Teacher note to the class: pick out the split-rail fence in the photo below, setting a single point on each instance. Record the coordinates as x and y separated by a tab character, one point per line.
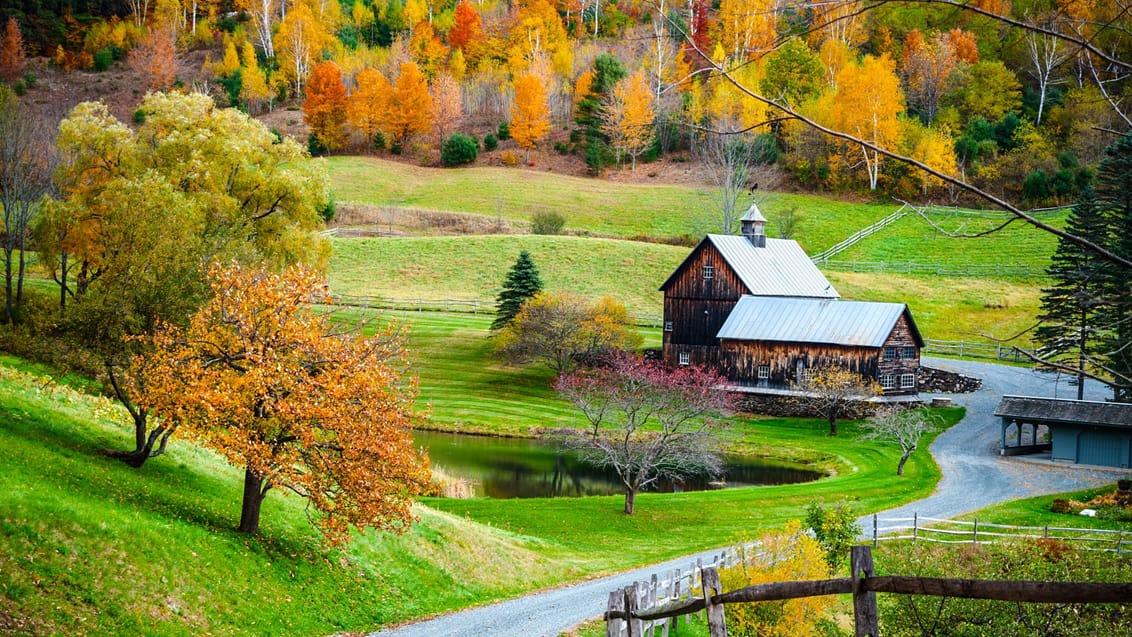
639	610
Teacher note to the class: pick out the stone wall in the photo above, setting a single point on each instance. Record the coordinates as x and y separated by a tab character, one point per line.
929	379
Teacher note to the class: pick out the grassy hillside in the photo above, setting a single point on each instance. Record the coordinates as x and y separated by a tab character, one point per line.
474	267
589	205
90	545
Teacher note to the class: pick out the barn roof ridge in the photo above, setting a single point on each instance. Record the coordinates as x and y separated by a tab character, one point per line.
781	268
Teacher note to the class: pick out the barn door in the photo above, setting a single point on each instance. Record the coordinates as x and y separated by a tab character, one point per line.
799	371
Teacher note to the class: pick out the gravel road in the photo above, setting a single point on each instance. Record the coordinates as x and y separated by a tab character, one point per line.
974	476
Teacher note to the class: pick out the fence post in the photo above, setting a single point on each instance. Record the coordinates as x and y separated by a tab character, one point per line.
975	533
632	597
864	602
613	625
876	538
717	624
915	527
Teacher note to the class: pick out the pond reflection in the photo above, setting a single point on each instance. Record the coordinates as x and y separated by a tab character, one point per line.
525	468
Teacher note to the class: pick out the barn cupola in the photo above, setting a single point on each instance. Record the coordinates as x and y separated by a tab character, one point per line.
753	226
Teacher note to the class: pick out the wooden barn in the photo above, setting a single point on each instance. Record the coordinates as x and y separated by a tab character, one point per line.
758	310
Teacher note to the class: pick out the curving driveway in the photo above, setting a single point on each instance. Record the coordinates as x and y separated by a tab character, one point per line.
974	476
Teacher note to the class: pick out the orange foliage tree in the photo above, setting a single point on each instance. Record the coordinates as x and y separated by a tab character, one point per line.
155	58
13	59
275	388
427	49
410	105
466	33
530	114
324	109
447	105
367	106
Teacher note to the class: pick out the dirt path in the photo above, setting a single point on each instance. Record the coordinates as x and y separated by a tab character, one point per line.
974	476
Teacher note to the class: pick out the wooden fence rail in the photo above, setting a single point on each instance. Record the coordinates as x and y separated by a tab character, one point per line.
965	349
626	615
969	270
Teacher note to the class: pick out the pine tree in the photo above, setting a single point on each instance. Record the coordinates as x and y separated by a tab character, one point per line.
522	283
1069	323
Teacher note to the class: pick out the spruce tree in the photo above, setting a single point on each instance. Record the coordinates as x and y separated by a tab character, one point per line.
1068	332
522	283
1114	198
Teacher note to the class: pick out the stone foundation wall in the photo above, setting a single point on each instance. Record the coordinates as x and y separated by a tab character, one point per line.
791	406
929	379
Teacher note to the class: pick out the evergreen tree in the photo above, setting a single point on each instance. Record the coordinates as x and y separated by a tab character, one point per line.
1069	325
522	283
1114	198
590	111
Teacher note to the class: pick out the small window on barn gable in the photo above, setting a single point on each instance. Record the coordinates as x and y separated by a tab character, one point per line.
709	271
685	358
668	326
909	352
764	372
907	381
888	381
889	352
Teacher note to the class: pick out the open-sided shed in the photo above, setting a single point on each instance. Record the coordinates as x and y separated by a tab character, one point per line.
1080	431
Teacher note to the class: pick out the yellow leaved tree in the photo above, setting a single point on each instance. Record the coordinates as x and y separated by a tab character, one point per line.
779	556
867	105
629	116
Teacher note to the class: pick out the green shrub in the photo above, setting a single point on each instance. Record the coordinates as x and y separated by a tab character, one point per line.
490	142
30	79
504	130
562	148
547	222
328	210
315	145
139	116
103	59
19	88
458	149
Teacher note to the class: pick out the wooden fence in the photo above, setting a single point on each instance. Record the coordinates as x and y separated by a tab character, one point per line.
867	231
467	306
972	270
925	529
634	615
965	349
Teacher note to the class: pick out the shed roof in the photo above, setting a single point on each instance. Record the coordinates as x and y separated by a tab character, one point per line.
800	320
753	214
781	268
1059	410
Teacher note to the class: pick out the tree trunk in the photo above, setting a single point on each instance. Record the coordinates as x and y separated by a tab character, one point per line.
630	501
833	425
903	459
255	488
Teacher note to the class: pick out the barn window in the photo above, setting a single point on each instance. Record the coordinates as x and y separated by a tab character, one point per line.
668	326
709	271
685	358
907	381
888	381
909	352
764	372
889	352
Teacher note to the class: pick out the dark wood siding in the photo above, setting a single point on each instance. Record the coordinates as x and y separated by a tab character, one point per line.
900	338
696	307
740	360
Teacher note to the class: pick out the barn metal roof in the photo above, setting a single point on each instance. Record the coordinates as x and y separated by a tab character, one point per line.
779	269
800	320
1055	410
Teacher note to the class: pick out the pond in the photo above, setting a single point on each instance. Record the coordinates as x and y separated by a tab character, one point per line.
478	466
